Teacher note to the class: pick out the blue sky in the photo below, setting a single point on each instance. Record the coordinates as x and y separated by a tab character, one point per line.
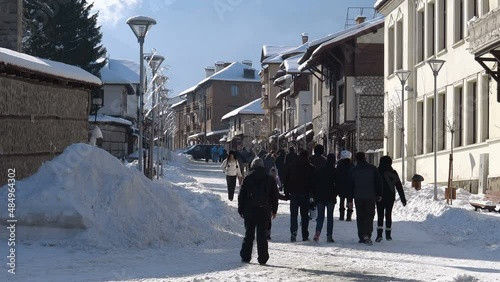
192	34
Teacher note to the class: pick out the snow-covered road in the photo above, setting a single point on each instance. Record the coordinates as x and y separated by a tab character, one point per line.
432	241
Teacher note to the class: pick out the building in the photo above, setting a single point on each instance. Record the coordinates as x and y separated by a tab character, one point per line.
343	119
227	86
43	109
246	126
449	30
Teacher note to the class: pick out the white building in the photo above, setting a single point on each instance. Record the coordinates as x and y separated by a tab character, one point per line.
415	32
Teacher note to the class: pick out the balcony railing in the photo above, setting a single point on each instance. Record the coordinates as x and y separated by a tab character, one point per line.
484	32
300	83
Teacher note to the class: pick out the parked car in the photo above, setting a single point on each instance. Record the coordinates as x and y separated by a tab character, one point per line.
198	151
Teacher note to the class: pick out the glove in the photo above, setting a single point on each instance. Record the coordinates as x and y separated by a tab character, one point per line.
403	201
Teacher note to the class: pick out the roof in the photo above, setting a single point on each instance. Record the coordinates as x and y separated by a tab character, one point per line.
379	3
346	35
278	58
233	72
109	119
31	64
291	65
283	93
178	104
252	108
217	132
118	71
269	50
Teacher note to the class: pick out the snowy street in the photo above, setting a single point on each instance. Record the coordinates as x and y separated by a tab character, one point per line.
197	234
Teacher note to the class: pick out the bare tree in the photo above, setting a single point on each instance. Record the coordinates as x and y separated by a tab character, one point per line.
450	127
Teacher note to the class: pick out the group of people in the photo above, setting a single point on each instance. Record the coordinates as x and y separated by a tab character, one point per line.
216	153
312	180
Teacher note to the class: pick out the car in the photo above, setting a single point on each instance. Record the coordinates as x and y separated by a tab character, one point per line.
198	151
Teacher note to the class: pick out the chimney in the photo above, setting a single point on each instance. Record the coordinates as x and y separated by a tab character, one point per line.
219	65
305	37
11	13
247	62
360	19
209	70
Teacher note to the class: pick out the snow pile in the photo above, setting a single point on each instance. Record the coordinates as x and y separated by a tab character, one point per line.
114	206
457	223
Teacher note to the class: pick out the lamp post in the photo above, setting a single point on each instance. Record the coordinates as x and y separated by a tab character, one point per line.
403	76
436	66
154	62
329	100
305	107
291	112
358	90
97	99
278	114
140	25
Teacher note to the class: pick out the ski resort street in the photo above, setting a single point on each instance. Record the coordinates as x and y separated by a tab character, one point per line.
189	231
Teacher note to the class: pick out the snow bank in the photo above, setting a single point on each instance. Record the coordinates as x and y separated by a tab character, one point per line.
458	223
114	206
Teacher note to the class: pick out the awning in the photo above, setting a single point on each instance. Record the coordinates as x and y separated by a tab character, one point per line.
217	132
300	128
308	134
194	136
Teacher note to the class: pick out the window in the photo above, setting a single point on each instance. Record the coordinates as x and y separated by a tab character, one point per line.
442	120
421	36
397	133
234	90
390	55
473	119
431	125
420	128
341	94
431	28
459	116
399	45
475	8
442	25
485	104
390	133
459	20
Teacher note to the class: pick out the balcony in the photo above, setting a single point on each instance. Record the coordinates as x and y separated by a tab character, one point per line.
485	33
300	83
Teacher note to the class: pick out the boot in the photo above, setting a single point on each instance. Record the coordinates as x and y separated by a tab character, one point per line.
316	236
329	239
379	234
388	234
349	215
342	212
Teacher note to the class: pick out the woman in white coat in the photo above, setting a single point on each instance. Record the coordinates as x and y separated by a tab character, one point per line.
231	168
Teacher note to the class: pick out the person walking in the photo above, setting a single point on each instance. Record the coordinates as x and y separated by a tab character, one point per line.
280	166
231	168
366	189
257	205
325	197
298	188
344	165
390	183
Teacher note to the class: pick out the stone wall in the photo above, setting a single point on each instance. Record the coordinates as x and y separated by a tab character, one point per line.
37	122
11	12
371	112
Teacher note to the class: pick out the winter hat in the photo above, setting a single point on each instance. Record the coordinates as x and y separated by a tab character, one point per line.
257	162
345	154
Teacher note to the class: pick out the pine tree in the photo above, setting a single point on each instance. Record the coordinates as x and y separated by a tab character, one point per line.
64	31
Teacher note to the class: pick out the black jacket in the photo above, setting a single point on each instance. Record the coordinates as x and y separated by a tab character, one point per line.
342	180
390	180
365	182
255	176
324	185
299	177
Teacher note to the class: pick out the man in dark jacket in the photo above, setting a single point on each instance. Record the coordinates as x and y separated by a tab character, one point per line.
366	190
318	160
257	204
298	188
325	196
344	166
391	183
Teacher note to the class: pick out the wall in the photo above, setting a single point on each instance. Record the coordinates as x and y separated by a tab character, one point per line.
38	121
115	138
11	25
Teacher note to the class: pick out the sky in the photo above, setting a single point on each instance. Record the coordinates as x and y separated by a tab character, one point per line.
86	216
192	34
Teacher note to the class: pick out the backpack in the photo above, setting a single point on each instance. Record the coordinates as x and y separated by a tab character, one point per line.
258	194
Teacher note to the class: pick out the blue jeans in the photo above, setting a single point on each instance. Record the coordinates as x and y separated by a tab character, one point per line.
321	217
299	201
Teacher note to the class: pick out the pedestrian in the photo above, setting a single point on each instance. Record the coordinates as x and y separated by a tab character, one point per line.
280	166
208	153
366	189
390	183
269	161
221	154
231	168
344	165
325	196
215	153
298	188
257	205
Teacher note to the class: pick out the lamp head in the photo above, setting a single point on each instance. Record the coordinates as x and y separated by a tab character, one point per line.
154	61
305	107
140	25
403	75
278	113
358	89
436	65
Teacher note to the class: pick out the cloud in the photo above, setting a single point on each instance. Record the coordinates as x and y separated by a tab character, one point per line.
113	11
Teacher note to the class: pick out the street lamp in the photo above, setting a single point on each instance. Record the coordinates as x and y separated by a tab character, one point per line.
305	107
97	99
278	114
403	76
154	62
358	90
140	25
436	66
329	99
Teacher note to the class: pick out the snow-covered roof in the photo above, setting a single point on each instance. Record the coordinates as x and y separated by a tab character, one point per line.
178	104
120	72
283	93
278	58
268	50
109	119
252	108
30	63
339	38
291	65
190	89
378	3
217	132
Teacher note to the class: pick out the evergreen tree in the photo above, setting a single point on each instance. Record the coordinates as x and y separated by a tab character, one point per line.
64	31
